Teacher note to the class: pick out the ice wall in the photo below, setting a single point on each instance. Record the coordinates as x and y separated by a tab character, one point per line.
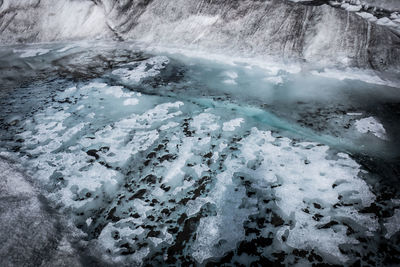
318	34
45	20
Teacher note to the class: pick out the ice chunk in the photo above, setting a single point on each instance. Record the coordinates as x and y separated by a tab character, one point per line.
32	52
205	122
232	76
392	224
354	113
371	125
275	80
147	68
232	125
131	101
367	16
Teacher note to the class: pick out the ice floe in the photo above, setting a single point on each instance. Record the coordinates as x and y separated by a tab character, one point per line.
24	53
392	224
371	125
147	68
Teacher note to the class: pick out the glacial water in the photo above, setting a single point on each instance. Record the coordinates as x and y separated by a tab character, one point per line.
161	157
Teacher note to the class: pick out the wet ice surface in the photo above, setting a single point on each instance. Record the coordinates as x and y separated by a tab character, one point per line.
167	159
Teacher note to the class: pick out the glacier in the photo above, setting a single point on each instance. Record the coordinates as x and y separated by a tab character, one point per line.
317	34
201	133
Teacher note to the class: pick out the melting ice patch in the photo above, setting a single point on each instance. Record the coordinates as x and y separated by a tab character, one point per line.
305	193
163	179
353	74
275	80
232	124
231	77
137	71
392	224
31	52
138	180
371	125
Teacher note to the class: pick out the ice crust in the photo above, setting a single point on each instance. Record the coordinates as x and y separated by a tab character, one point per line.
392	224
148	177
31	52
371	125
142	70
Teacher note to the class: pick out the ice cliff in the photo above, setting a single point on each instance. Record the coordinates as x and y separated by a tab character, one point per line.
309	31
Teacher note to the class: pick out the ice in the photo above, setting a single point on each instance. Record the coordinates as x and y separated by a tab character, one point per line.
31	52
30	233
386	21
351	8
65	48
205	122
367	16
301	178
131	102
371	125
175	169
300	175
353	74
275	80
116	91
169	125
107	241
147	68
392	224
157	168
232	76
231	125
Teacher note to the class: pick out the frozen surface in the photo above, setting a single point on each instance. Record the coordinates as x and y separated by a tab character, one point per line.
146	68
371	125
30	235
32	52
392	224
158	160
